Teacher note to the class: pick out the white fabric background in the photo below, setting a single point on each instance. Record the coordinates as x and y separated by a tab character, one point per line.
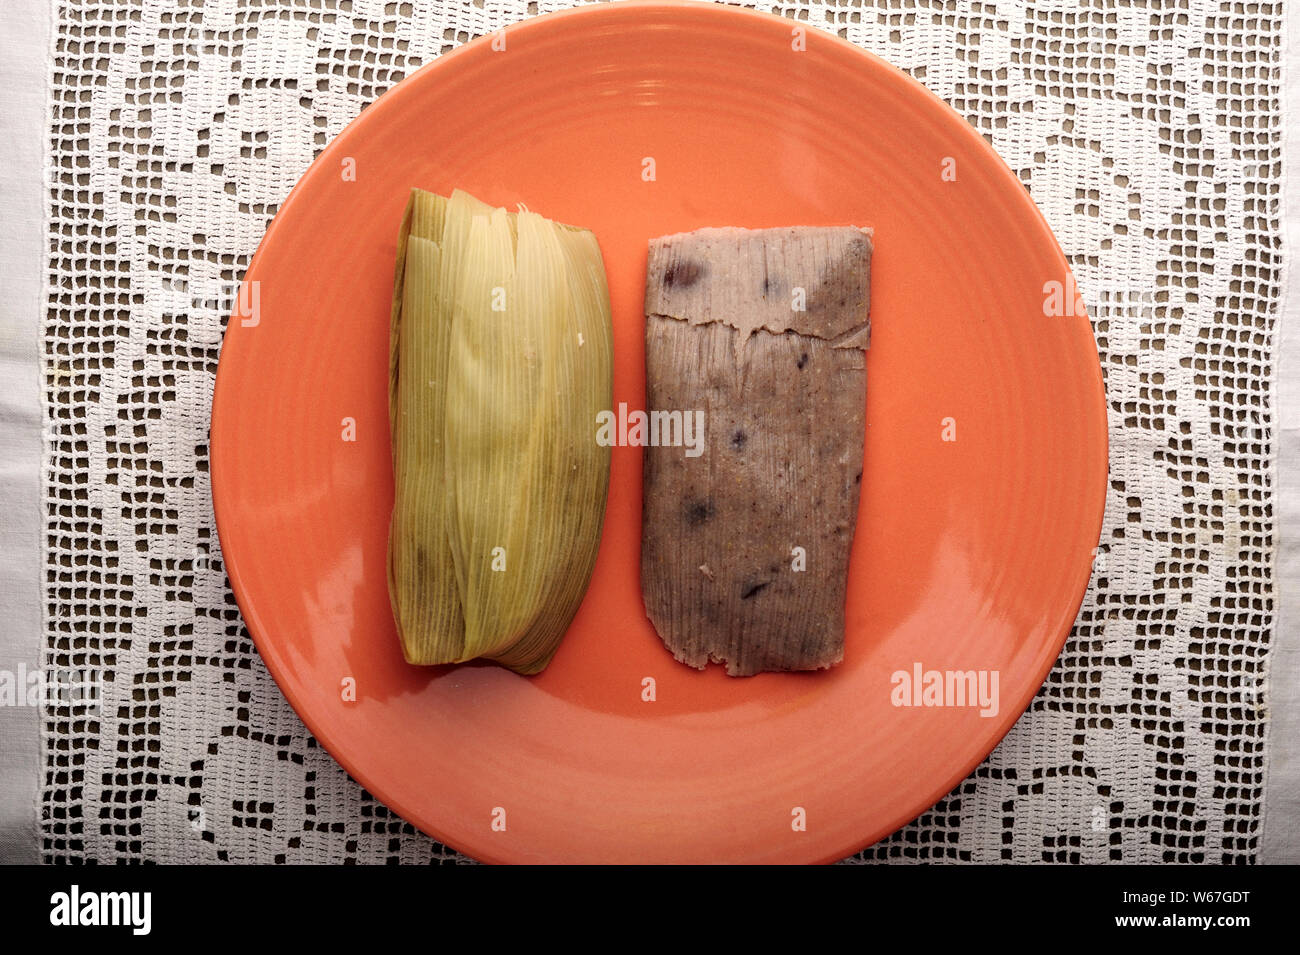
24	125
1151	139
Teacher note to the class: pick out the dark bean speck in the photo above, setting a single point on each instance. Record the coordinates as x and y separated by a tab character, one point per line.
697	512
739	440
683	274
803	360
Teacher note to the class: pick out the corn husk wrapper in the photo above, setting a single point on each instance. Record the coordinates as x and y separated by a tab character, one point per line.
501	359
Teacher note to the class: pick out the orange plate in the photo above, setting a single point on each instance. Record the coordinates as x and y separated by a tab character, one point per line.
970	554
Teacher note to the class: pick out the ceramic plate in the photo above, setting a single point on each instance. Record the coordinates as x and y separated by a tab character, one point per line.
982	494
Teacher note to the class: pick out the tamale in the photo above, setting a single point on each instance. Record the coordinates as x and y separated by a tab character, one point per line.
501	359
745	548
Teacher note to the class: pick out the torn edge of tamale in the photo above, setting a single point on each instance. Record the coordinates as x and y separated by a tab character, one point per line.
755	299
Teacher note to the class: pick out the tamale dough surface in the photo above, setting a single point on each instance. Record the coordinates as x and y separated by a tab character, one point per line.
745	548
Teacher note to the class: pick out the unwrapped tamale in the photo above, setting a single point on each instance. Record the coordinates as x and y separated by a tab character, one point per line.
745	548
501	358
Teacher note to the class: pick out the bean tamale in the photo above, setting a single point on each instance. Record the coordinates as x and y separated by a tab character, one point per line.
745	549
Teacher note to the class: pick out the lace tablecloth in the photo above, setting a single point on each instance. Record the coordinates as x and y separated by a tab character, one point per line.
1149	134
